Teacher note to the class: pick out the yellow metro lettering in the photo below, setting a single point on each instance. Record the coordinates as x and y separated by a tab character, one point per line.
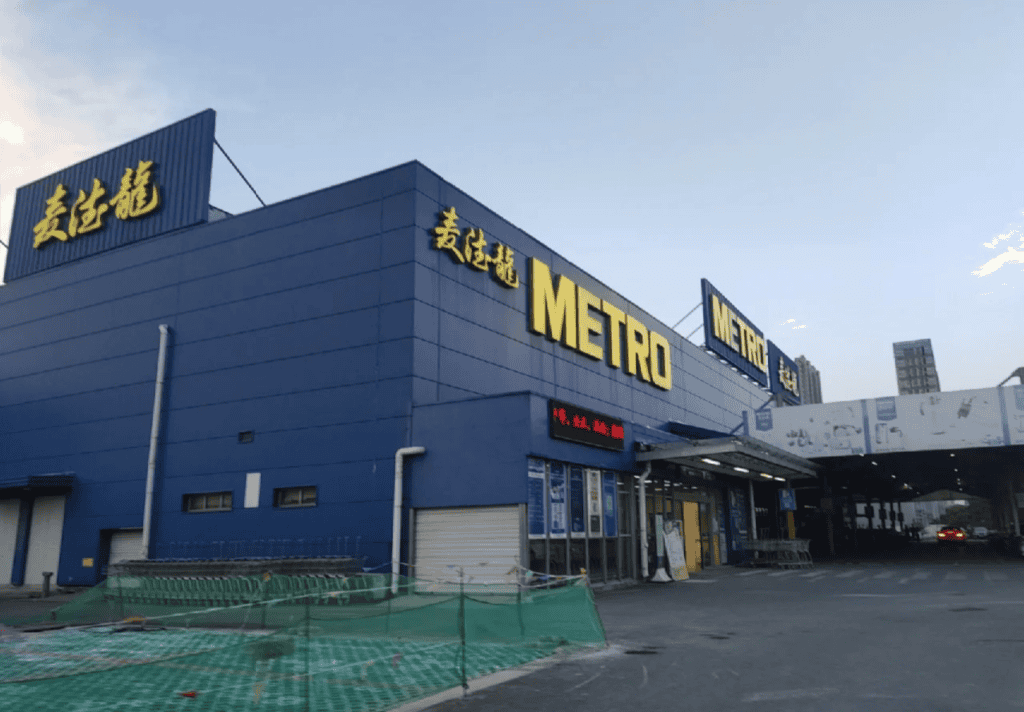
637	349
722	320
661	361
552	309
616	320
587	325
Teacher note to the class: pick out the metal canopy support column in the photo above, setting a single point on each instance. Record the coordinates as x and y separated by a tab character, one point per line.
753	511
1013	508
643	521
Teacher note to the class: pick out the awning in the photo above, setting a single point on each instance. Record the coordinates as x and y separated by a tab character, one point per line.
737	455
53	483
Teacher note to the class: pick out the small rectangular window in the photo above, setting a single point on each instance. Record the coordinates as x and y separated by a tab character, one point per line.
295	497
207	502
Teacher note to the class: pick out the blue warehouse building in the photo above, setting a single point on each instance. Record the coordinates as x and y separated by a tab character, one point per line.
384	365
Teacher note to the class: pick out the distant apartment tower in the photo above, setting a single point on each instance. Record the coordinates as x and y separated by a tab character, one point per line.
915	367
809	380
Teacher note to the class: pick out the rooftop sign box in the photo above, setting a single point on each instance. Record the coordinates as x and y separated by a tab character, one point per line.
732	336
784	375
152	185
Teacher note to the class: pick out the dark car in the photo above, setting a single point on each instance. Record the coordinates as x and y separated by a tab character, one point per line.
950	534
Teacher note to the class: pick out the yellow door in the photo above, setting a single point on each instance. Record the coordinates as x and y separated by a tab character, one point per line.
691	536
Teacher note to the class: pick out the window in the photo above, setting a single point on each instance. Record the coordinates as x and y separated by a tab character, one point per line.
207	502
295	497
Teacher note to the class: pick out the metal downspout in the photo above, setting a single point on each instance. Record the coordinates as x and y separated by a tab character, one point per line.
154	441
643	521
396	521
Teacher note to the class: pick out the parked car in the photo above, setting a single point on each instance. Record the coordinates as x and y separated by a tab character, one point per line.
951	534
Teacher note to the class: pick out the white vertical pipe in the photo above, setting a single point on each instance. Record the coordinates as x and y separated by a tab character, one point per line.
643	521
396	520
154	440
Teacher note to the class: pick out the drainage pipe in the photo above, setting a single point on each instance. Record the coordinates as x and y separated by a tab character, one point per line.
643	521
396	521
154	441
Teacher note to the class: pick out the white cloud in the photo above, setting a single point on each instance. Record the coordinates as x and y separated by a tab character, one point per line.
802	326
59	109
787	321
999	238
1009	257
11	132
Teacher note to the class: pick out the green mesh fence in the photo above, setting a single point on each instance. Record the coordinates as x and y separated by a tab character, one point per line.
281	642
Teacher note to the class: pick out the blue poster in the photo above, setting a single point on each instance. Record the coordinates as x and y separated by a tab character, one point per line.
763	419
787	500
885	408
609	492
577	500
535	504
556	493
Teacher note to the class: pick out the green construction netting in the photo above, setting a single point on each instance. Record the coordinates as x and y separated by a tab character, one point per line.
285	643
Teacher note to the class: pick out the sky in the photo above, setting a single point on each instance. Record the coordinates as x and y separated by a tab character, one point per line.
847	174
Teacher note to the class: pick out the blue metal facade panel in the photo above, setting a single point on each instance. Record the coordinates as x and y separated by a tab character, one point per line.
284	322
182	154
329	327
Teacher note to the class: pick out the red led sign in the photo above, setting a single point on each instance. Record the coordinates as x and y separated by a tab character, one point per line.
578	425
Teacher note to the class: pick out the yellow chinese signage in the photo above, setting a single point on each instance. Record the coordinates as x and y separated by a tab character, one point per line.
787	377
138	196
572	315
472	250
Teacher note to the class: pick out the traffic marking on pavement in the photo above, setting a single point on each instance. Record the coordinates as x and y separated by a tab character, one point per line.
883	575
918	576
812	574
789	694
991	576
783	573
954	577
848	574
755	571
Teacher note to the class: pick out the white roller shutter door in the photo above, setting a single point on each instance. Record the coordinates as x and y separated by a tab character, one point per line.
125	545
9	509
484	541
44	539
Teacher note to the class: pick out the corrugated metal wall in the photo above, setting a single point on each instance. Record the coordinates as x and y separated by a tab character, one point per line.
182	154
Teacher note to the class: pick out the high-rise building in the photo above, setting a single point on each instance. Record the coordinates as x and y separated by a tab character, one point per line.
915	367
809	380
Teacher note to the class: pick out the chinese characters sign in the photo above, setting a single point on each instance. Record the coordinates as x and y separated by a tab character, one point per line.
568	422
470	248
153	185
785	379
138	196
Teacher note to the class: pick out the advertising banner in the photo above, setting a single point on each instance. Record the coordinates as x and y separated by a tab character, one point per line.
577	501
787	500
557	492
982	417
674	549
610	504
535	507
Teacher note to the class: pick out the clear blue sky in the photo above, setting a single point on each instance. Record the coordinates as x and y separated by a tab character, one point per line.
848	174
